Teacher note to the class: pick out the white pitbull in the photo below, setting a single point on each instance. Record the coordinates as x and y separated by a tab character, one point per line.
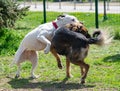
39	39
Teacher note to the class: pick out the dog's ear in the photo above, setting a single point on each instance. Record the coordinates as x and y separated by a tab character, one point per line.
60	17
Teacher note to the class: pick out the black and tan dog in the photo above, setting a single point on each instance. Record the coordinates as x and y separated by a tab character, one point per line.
75	27
75	47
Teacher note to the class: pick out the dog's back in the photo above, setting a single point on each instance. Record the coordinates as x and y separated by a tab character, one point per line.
73	44
65	39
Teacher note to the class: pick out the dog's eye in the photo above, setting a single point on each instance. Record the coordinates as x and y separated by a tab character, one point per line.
73	19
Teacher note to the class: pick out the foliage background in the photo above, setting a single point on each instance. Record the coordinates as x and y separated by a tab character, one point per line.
10	12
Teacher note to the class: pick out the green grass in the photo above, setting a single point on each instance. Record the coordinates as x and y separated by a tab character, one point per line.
104	73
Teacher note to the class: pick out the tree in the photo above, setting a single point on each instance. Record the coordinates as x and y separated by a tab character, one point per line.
10	12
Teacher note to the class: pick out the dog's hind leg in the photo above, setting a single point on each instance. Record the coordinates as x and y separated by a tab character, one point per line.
68	68
84	71
18	65
18	71
56	56
21	59
33	57
27	55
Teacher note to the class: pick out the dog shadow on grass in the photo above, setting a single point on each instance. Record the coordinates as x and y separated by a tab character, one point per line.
112	58
47	85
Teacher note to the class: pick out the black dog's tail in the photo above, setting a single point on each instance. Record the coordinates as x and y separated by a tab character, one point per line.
100	38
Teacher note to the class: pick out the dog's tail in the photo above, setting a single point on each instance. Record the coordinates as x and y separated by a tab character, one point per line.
17	55
100	38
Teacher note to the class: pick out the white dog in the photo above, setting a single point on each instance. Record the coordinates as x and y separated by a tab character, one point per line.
37	40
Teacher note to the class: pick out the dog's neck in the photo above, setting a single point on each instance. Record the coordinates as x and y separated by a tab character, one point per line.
59	23
55	24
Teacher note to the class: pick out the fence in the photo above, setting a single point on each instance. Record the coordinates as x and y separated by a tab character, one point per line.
104	6
73	6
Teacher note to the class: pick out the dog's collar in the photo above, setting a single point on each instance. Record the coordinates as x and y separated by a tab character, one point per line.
55	25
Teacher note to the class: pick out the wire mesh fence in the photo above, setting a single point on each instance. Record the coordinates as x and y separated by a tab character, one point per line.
64	6
112	6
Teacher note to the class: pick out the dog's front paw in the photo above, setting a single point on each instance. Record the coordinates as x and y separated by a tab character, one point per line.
46	51
69	75
60	66
34	77
82	81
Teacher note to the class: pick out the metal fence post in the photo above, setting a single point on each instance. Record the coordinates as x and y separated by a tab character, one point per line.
44	10
35	3
105	16
59	4
24	3
108	5
91	2
96	14
74	4
47	4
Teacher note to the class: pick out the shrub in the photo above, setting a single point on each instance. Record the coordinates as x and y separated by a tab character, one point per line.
9	41
117	34
10	12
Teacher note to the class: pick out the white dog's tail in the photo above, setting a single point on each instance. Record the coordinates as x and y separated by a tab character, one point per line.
17	55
